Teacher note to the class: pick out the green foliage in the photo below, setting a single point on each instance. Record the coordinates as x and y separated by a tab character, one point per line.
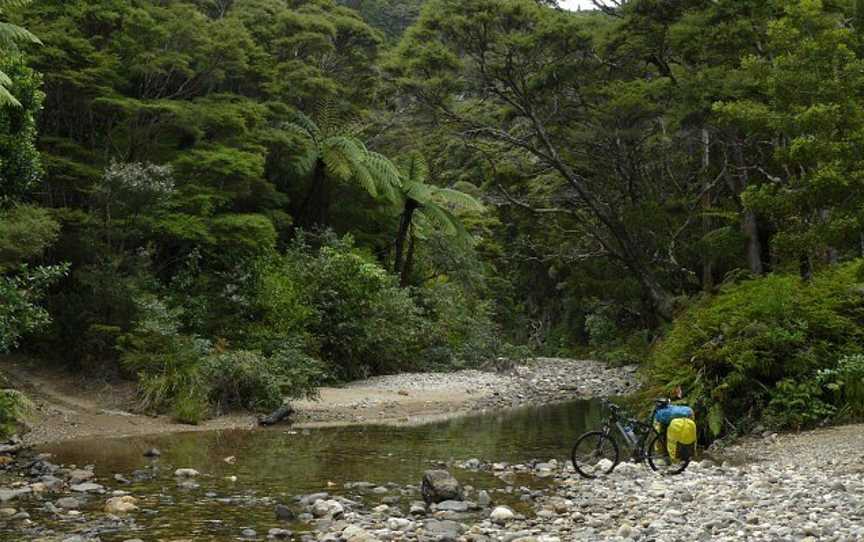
460	331
25	232
187	376
798	404
14	405
167	364
392	17
249	380
761	344
242	379
20	167
361	322
10	36
20	296
300	374
601	329
844	384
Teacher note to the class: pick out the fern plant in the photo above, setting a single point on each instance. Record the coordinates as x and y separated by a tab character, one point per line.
10	36
426	208
334	152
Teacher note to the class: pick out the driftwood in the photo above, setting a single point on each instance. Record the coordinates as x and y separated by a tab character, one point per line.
11	449
277	415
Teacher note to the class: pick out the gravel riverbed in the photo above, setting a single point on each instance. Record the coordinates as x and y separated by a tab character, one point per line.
800	488
418	397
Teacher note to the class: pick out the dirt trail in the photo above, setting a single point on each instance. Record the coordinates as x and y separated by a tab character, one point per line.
67	407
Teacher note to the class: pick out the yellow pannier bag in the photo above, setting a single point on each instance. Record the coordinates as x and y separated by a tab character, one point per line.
658	444
681	438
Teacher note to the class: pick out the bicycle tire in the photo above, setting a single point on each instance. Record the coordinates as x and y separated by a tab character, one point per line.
667	469
589	449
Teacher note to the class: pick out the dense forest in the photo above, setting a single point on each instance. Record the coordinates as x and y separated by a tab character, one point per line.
232	201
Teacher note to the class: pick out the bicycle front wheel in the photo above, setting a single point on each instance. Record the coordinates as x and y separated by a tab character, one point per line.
659	460
595	454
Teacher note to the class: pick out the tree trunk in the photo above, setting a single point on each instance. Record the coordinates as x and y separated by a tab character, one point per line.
750	223
408	268
832	256
707	260
314	211
402	235
806	267
750	228
663	301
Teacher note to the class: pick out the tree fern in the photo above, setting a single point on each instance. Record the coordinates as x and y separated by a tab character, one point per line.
10	36
427	209
331	144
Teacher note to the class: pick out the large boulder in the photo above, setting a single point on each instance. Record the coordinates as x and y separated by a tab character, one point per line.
121	505
353	533
439	486
502	515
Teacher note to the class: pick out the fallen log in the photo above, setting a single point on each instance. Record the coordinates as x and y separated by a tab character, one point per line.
277	415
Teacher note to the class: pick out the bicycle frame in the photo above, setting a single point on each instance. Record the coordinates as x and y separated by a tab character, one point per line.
640	433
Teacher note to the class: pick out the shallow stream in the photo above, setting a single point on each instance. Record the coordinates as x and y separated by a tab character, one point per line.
274	466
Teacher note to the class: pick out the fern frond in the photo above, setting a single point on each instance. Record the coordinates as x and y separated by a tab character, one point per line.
385	175
457	199
420	192
6	97
305	163
362	175
6	4
342	157
12	33
415	168
443	220
327	113
469	188
421	226
301	124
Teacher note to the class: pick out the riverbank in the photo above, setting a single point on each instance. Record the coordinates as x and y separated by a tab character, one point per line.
65	409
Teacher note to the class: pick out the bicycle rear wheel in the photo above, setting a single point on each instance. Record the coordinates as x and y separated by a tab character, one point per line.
659	460
594	454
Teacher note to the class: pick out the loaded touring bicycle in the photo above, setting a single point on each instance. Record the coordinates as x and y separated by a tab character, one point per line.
666	441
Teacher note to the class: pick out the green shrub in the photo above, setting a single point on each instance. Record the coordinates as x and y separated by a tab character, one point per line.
351	311
601	329
242	380
459	330
249	380
166	362
186	376
845	383
757	348
797	404
191	405
20	296
14	405
301	374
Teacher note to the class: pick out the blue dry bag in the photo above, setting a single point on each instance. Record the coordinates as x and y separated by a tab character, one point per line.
671	412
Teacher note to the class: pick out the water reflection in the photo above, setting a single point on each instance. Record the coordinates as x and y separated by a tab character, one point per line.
283	462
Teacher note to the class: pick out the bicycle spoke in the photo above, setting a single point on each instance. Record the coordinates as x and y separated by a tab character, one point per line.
595	455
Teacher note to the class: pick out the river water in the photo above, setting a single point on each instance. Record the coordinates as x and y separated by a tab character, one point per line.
274	466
